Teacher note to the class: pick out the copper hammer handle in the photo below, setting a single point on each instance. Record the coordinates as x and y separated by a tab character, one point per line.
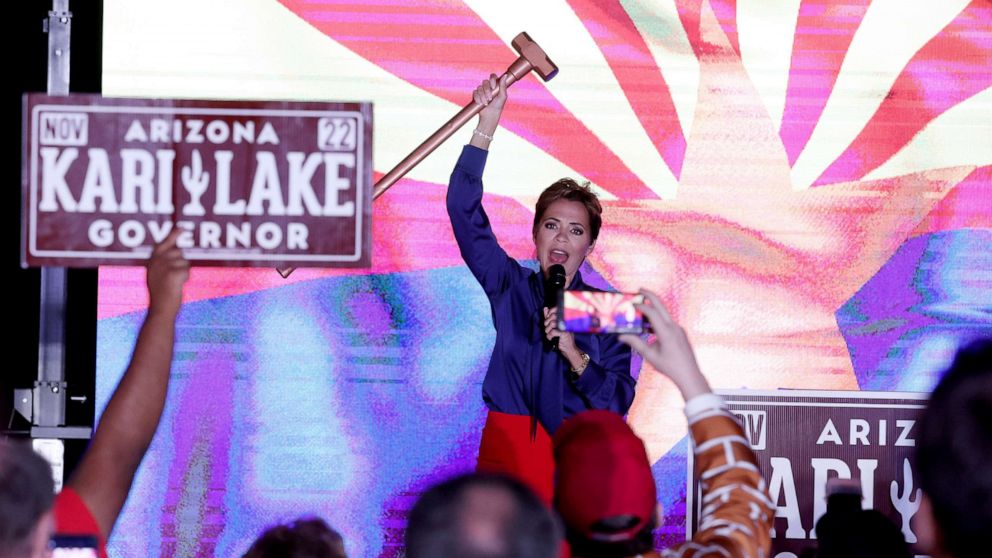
517	70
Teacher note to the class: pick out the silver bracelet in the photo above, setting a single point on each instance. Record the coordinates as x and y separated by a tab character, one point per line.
482	134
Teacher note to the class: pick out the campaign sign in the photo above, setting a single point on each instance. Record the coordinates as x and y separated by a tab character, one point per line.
803	438
250	183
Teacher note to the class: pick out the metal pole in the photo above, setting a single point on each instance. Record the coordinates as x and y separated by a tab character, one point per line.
47	411
49	390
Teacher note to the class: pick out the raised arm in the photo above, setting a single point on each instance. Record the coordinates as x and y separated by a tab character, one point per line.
490	264
107	469
492	95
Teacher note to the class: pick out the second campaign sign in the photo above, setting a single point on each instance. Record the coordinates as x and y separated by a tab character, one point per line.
804	438
250	183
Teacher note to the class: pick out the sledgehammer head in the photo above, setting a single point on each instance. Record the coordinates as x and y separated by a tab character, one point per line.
534	54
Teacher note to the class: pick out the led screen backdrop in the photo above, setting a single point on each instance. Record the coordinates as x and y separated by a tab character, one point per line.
807	183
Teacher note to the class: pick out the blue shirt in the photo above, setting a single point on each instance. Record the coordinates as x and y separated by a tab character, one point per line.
526	376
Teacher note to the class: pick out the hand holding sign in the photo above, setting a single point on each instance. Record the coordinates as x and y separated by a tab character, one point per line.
167	272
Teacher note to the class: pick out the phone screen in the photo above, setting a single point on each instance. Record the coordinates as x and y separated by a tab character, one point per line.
73	546
598	312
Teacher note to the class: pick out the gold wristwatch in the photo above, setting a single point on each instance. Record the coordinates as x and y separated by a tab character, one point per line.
582	367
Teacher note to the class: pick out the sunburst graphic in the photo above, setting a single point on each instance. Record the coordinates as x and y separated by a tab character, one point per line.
759	162
760	204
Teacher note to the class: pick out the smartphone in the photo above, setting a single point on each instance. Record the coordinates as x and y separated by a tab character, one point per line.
73	546
599	312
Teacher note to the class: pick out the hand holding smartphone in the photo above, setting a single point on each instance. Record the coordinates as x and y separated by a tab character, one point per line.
599	312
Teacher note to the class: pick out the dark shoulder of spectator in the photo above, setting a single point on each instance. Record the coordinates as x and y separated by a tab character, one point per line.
954	451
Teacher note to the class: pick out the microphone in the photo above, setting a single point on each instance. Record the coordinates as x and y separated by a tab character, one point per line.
554	283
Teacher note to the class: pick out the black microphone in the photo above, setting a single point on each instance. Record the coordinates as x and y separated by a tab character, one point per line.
554	283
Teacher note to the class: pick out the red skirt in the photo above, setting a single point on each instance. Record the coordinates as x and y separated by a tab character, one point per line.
507	448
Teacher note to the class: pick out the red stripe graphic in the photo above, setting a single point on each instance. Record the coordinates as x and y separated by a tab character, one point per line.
638	74
446	49
726	14
689	14
824	31
964	207
950	68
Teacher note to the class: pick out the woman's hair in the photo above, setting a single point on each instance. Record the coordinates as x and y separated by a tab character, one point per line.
26	493
441	522
639	543
568	189
307	537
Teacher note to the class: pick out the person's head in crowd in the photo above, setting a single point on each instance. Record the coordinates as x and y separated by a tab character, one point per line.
954	458
309	537
27	491
604	489
481	516
847	530
853	532
861	534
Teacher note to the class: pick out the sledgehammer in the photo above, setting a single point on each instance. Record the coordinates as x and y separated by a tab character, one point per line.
532	57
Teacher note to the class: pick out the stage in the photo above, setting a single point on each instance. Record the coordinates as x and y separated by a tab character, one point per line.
807	184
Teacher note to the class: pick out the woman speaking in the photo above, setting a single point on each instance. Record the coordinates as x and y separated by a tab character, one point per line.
538	376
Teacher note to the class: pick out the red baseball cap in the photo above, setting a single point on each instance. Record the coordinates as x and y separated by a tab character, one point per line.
602	471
